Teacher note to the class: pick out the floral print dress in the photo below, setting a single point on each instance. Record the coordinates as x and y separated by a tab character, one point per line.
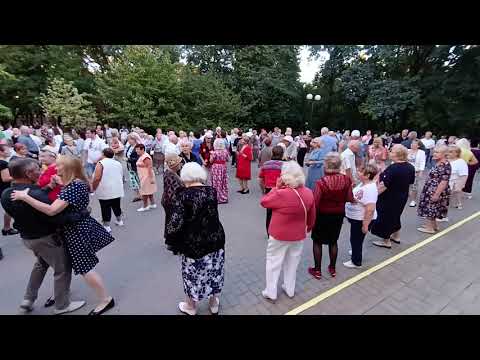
218	174
435	209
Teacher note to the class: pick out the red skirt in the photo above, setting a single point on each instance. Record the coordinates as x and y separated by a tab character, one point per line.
244	171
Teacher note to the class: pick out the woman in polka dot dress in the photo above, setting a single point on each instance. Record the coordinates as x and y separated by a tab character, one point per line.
84	238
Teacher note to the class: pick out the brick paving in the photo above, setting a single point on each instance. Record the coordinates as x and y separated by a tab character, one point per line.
145	278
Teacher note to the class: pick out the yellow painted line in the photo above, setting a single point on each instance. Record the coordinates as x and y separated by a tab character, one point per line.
370	271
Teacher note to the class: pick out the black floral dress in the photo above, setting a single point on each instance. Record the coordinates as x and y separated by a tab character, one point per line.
195	231
84	238
435	209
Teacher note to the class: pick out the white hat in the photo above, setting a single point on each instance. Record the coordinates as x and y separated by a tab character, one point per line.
249	134
288	138
356	133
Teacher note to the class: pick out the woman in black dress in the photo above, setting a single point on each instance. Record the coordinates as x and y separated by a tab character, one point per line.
198	235
393	192
83	239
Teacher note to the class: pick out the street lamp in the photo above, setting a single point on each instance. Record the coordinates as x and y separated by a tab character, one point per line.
316	98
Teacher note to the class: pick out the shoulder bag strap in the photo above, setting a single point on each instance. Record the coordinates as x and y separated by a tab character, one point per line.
304	207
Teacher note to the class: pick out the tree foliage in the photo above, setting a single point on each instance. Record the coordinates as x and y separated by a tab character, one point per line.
62	101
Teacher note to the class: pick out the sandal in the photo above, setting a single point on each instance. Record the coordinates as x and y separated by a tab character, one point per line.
425	230
395	240
381	243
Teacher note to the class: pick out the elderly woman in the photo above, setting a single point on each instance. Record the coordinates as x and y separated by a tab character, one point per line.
51	145
218	158
417	158
459	175
244	168
293	216
148	184
133	140
196	233
292	148
377	153
394	184
331	193
314	163
434	199
266	152
186	151
361	212
70	149
205	148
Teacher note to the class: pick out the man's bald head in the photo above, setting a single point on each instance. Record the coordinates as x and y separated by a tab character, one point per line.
354	145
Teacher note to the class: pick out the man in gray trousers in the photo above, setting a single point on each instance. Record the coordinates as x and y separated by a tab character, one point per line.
38	232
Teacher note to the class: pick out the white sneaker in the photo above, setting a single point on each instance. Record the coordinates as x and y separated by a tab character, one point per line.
350	264
108	228
350	252
265	295
119	222
142	209
27	305
214	308
413	204
153	206
459	207
285	291
74	305
182	306
470	197
445	219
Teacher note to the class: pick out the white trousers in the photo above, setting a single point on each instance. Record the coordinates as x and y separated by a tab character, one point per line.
286	255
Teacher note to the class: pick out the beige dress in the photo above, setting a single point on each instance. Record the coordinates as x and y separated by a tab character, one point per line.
146	187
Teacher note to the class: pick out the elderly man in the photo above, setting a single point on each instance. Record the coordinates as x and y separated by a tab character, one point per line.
349	167
92	147
28	141
412	135
429	144
171	147
399	139
38	232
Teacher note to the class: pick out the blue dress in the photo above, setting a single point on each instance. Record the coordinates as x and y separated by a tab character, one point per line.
315	171
85	238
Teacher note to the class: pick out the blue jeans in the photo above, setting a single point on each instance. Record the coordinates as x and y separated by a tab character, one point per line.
356	240
89	169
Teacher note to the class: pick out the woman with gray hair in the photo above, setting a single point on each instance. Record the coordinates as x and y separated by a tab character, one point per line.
195	232
186	151
434	199
218	159
293	216
331	193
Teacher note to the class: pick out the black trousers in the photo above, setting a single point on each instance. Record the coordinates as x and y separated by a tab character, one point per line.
269	212
356	240
234	158
301	156
107	206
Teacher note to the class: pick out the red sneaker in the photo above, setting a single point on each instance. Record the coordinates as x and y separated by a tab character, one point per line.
332	271
317	274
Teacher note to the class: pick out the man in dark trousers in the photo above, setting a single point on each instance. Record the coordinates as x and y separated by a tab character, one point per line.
38	232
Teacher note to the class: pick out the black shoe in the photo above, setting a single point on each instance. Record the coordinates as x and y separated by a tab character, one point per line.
50	302
110	305
9	232
245	192
1	254
240	191
136	199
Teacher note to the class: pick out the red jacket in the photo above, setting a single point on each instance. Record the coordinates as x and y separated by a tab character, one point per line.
288	215
270	172
44	180
331	193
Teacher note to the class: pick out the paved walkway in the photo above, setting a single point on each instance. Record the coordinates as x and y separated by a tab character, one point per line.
145	278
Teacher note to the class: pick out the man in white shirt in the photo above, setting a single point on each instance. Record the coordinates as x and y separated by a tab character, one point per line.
429	144
349	167
92	147
171	146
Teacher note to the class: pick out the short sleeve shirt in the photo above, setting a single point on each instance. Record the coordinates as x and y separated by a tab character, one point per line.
364	194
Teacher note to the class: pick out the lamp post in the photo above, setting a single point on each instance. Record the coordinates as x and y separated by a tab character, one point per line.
312	98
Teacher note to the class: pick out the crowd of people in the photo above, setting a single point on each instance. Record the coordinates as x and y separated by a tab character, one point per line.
309	184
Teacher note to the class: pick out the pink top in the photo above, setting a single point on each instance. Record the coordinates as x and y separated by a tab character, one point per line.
288	215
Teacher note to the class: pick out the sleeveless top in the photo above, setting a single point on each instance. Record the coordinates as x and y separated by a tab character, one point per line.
111	184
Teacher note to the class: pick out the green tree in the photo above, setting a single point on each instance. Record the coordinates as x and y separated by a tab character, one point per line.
62	101
207	102
141	86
